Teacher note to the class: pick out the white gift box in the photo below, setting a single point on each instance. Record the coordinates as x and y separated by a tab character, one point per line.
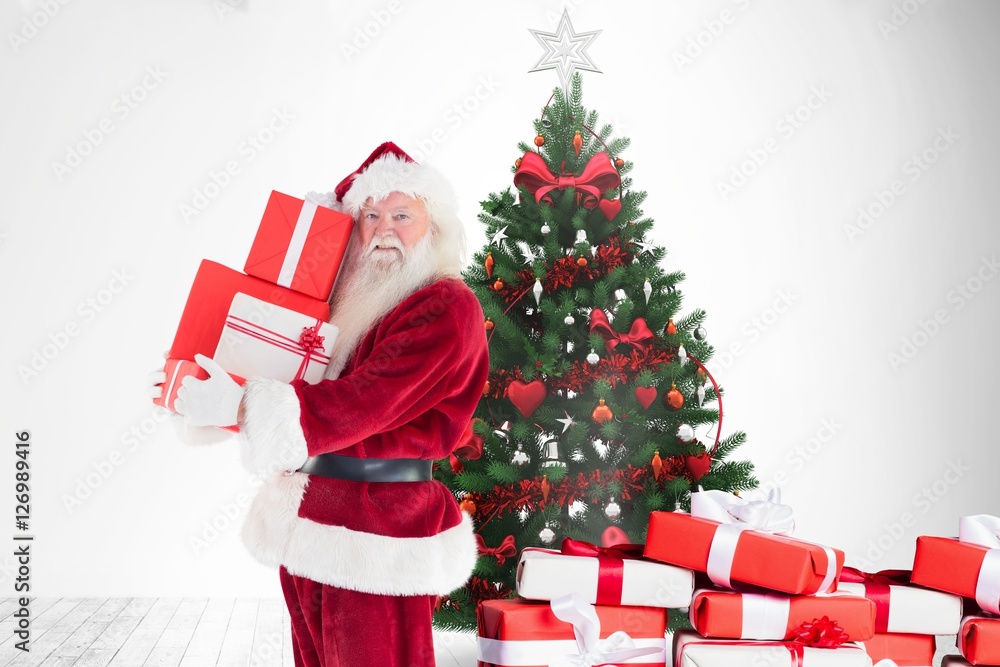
261	339
692	650
916	610
545	574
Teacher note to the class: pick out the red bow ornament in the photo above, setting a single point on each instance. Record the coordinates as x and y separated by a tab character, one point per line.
598	176
639	335
507	549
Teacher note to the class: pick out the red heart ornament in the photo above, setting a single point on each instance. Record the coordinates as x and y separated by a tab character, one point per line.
698	466
645	396
610	208
526	397
613	535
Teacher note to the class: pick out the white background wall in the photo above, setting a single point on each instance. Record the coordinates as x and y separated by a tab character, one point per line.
854	438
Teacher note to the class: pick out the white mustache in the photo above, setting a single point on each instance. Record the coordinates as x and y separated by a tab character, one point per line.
384	242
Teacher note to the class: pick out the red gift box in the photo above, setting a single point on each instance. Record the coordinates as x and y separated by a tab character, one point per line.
949	565
730	615
208	302
900	607
299	245
979	640
776	562
905	649
176	370
528	634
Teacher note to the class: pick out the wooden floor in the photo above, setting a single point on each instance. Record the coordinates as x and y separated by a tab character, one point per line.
169	632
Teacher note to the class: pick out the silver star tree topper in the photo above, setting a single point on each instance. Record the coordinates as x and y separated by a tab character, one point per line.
565	50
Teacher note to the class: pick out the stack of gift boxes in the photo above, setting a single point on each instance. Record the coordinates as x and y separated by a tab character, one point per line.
755	596
270	321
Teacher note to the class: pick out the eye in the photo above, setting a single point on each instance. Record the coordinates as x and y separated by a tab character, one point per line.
402	216
371	216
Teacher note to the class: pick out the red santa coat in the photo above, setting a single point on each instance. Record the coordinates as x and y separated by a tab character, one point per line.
408	391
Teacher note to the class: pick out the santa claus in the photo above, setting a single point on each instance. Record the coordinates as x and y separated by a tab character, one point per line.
363	538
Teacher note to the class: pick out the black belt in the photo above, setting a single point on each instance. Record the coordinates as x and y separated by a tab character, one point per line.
369	470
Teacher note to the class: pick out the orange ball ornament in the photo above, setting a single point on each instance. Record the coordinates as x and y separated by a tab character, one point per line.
468	507
488	324
602	413
581	261
517	163
498	285
671	328
673	399
539	141
619	162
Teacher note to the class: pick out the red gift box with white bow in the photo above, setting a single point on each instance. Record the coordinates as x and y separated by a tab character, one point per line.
736	541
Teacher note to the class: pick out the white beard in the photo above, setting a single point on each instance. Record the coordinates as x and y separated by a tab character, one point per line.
372	283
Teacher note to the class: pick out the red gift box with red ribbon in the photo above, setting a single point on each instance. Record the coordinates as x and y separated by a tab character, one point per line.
208	302
901	607
176	370
776	562
903	648
730	615
602	575
979	640
529	634
299	245
692	650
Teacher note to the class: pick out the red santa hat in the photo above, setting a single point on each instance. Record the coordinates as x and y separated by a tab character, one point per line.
390	169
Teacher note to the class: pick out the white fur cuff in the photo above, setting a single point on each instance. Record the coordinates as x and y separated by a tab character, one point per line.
272	438
275	534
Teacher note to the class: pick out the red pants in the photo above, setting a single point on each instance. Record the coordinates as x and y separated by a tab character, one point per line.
335	627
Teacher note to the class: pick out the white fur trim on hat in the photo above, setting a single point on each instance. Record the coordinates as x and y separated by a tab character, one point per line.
275	534
272	436
393	173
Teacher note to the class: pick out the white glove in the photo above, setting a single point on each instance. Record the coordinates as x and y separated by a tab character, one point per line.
211	402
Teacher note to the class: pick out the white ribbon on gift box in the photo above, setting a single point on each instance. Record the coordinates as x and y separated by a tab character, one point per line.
590	649
736	515
298	241
984	530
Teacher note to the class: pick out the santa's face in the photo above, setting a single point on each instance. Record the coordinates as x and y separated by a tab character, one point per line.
389	228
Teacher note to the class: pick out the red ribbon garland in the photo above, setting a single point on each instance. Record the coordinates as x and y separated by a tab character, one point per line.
507	549
877	589
610	564
598	176
639	335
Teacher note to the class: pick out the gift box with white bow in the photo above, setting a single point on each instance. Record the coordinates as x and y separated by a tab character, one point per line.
615	575
299	245
730	615
260	339
901	607
979	640
569	632
967	566
739	541
692	650
904	649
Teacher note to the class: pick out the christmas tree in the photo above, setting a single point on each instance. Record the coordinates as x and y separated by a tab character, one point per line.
597	380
